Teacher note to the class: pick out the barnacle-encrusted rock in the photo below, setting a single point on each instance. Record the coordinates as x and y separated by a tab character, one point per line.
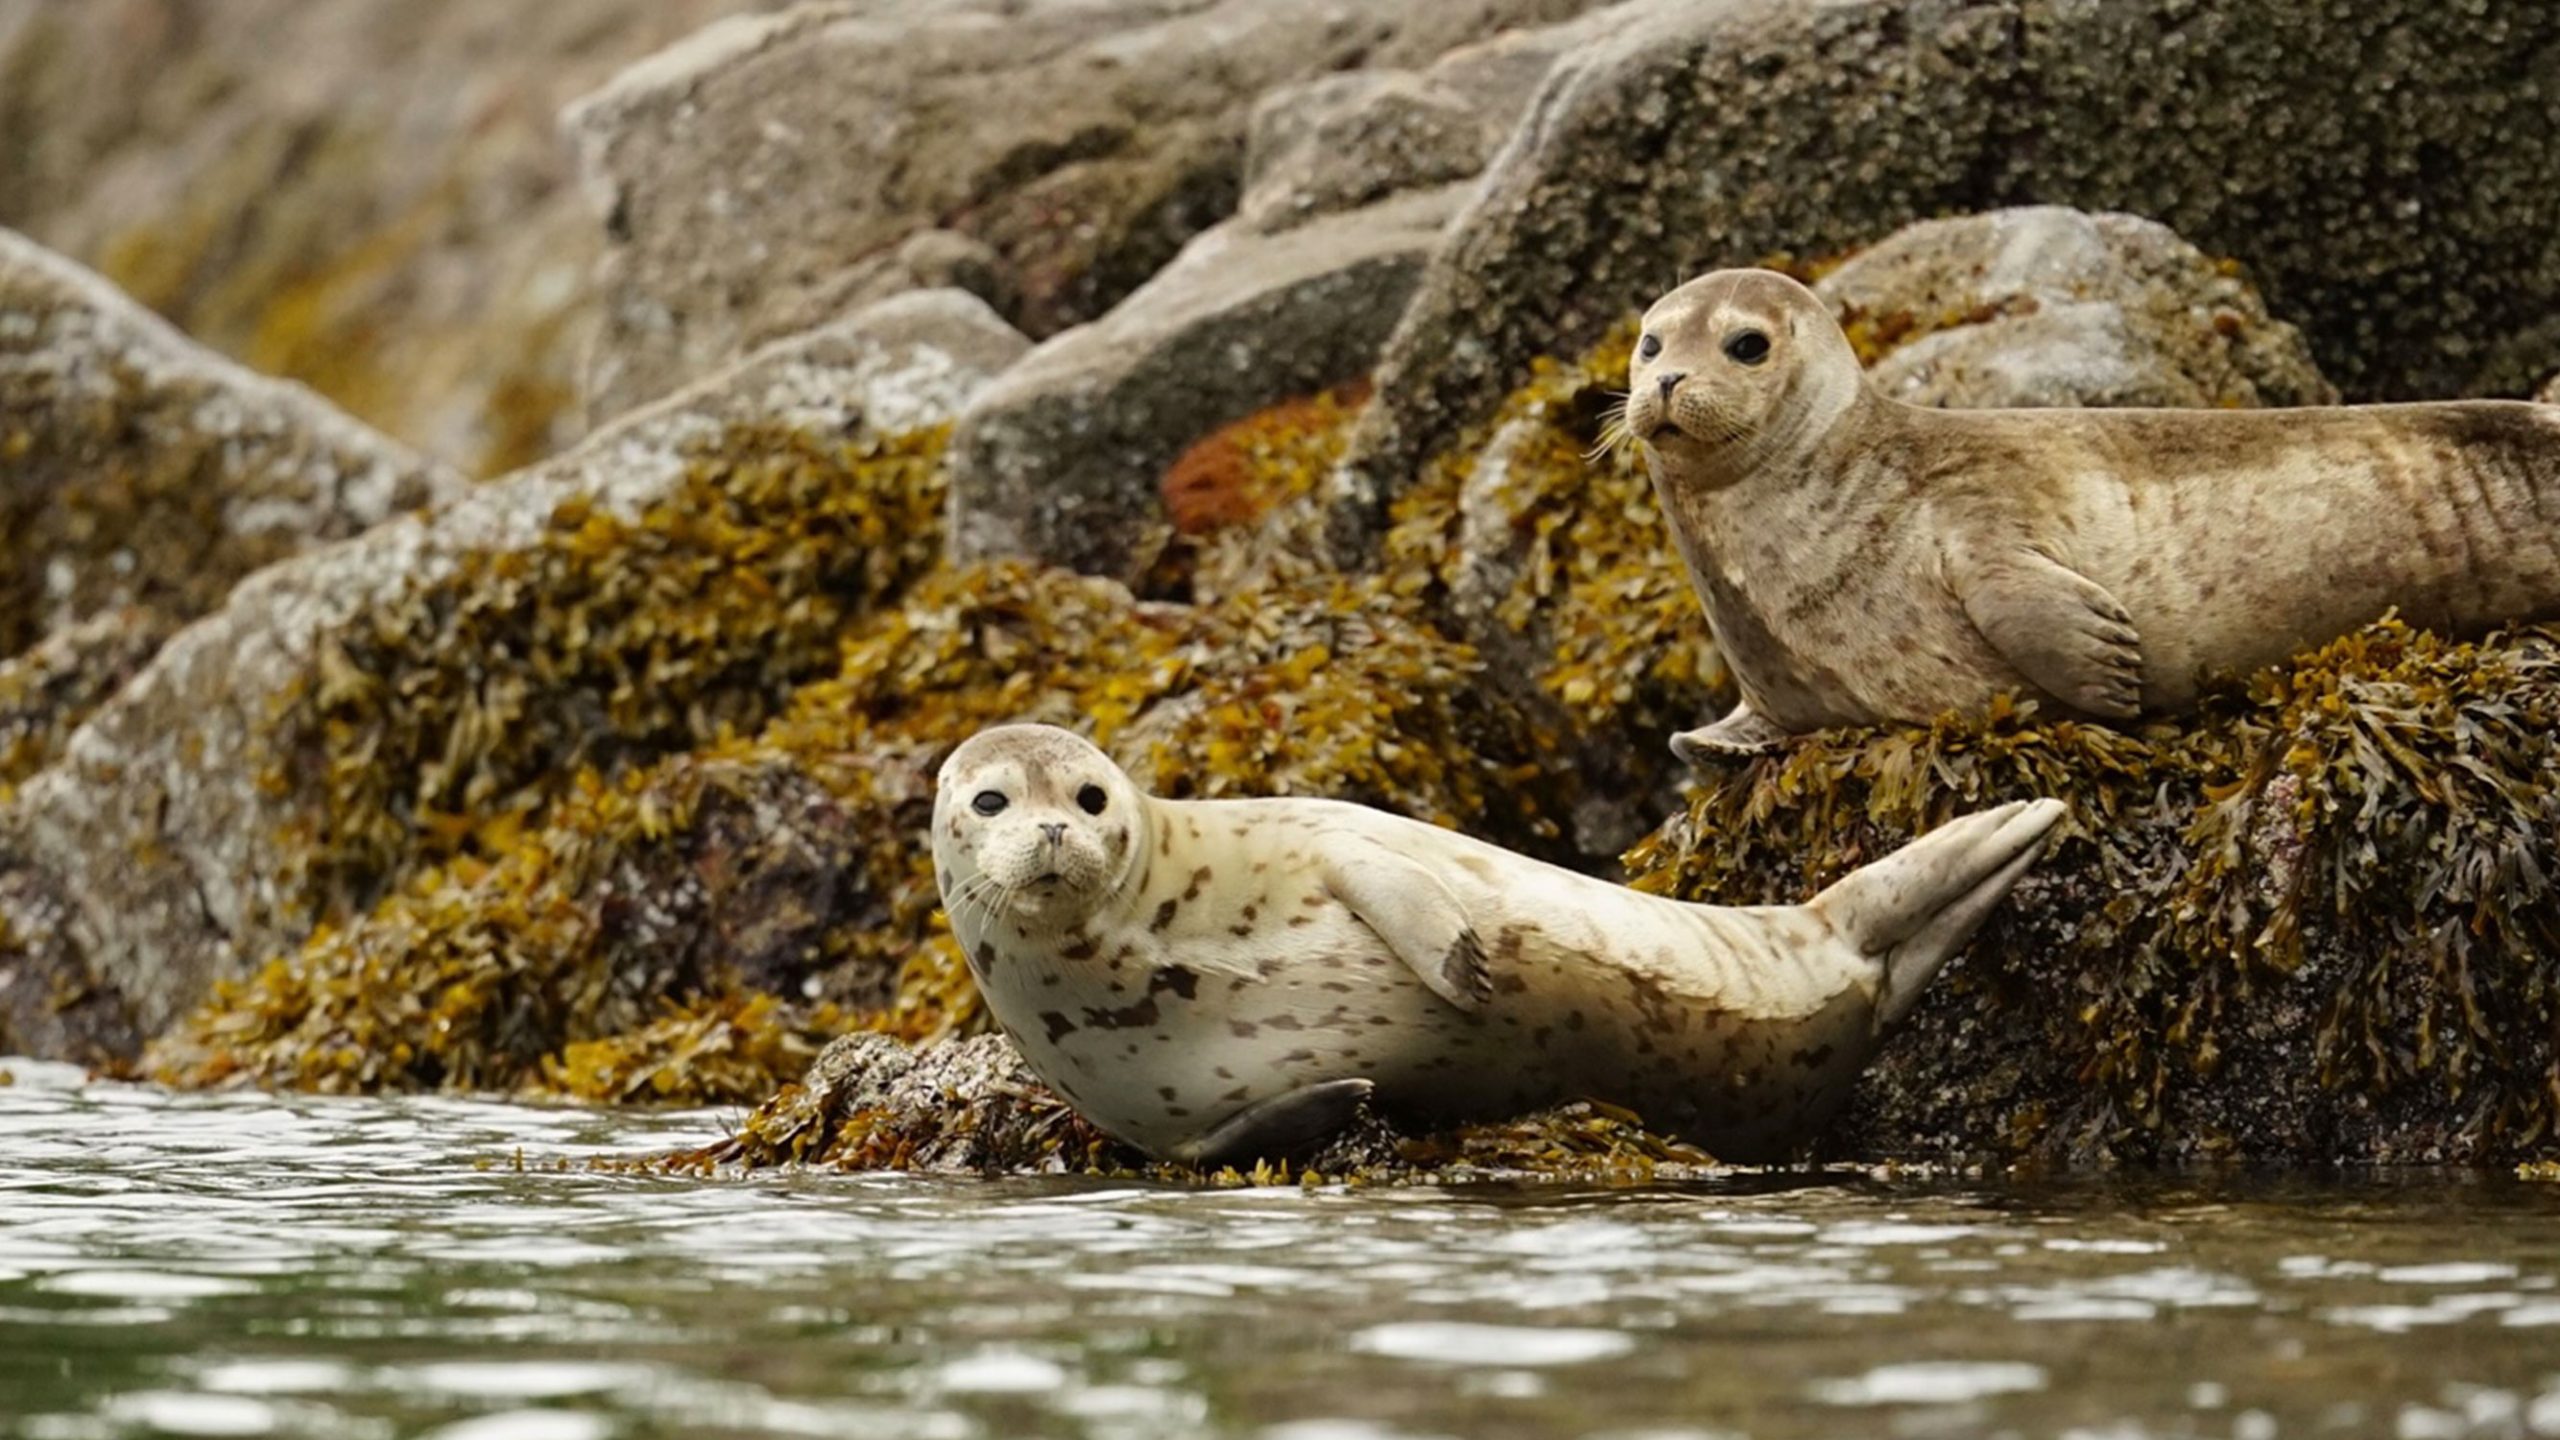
1060	459
1698	135
2050	306
2318	921
373	202
756	176
351	714
138	468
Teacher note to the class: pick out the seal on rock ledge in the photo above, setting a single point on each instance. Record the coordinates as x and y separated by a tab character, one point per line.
1215	980
1863	561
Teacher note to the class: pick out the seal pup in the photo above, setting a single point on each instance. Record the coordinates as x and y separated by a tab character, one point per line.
1212	980
1863	561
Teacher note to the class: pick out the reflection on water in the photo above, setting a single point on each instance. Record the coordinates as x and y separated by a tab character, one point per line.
256	1266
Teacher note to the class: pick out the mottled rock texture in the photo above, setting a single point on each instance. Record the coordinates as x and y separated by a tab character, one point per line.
1061	458
754	178
367	197
2049	306
2383	170
138	468
195	827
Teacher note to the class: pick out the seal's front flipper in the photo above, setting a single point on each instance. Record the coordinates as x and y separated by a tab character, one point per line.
1277	1126
2061	629
1413	910
1744	731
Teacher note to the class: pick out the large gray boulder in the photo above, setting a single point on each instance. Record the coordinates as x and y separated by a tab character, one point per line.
370	199
139	468
2383	170
188	837
1061	459
755	178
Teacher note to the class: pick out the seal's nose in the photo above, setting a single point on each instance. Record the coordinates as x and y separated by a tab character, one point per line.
1672	381
1056	830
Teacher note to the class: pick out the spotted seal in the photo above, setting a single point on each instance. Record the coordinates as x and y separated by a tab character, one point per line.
1864	561
1217	979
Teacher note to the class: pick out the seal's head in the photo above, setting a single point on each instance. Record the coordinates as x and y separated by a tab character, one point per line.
1034	826
1734	368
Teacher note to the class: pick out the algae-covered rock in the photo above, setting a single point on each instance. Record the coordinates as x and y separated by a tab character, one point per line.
369	199
349	715
690	929
1060	459
2317	922
2306	141
748	177
138	468
48	691
2049	306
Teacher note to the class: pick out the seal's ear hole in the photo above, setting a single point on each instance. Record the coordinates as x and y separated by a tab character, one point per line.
1093	798
1648	347
1749	347
989	802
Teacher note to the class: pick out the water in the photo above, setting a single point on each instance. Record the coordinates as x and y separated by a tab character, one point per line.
242	1265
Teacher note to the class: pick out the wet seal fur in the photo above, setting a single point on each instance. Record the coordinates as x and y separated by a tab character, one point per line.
1217	980
1863	561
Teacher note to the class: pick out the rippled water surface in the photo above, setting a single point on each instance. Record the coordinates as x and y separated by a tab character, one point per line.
253	1266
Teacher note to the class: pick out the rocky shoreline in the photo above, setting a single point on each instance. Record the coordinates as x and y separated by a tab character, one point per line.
1248	420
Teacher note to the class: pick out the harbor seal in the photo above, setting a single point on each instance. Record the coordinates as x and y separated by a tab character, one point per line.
1864	561
1214	980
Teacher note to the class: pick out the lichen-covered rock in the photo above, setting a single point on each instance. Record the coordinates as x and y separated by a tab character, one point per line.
2316	922
1700	135
371	201
2048	306
348	714
138	468
746	175
1061	458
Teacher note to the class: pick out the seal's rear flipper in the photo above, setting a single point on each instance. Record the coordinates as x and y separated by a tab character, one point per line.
1277	1126
1914	908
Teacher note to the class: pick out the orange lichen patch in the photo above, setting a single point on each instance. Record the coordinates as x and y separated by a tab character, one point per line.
1238	472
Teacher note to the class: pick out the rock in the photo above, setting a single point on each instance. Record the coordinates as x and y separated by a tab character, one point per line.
1396	133
283	760
141	469
753	177
2550	394
1061	459
2260	937
49	690
1704	135
2050	306
376	205
1347	139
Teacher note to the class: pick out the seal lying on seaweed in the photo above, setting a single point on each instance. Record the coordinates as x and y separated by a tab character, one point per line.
1863	561
1219	979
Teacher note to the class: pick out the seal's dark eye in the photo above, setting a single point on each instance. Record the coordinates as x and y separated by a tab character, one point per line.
1092	798
1648	347
1748	346
989	802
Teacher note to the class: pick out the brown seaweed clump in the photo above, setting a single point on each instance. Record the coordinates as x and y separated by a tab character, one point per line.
613	944
2316	920
611	641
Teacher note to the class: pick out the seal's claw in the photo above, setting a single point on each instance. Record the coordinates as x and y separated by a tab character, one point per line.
1738	736
1466	968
